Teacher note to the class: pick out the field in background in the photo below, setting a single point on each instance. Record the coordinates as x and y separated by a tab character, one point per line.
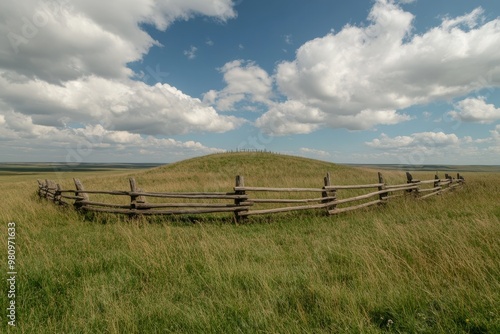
418	267
434	168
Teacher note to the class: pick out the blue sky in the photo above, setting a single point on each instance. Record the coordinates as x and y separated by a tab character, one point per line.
364	81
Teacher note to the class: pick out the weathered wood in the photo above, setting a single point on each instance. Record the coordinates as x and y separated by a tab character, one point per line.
400	187
326	181
50	184
239	183
49	196
43	190
190	205
451	187
165	212
431	194
64	191
425	182
382	195
284	209
173	195
170	195
40	188
364	205
393	196
109	205
436	181
141	198
46	189
242	202
360	197
410	179
133	196
105	192
328	195
189	195
52	191
57	194
159	194
266	189
79	188
278	200
357	186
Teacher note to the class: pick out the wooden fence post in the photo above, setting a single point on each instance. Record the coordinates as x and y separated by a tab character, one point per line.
50	187
84	196
43	189
40	187
382	196
437	181
450	178
46	192
57	195
410	179
328	193
135	199
240	182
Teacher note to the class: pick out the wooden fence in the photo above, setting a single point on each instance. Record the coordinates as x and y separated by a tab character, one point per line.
245	201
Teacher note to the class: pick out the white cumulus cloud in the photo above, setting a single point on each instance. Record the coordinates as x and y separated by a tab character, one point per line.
123	105
475	110
63	67
415	140
244	81
61	40
362	75
92	142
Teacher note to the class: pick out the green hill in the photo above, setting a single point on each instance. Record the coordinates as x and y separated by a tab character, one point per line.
218	172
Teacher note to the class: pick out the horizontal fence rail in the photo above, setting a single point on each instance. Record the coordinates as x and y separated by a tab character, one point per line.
245	201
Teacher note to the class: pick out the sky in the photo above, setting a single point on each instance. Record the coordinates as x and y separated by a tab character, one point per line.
362	81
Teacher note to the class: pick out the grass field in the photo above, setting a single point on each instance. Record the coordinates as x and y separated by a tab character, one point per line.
411	266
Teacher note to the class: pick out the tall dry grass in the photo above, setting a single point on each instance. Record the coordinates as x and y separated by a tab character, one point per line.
410	267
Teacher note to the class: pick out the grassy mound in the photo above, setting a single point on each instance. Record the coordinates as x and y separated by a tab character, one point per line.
218	172
411	267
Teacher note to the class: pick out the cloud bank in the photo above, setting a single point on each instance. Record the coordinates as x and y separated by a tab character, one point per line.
63	64
360	77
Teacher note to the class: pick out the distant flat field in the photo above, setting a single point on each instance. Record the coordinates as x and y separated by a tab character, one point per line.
433	168
16	168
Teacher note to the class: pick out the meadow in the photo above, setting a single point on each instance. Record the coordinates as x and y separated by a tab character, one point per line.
409	266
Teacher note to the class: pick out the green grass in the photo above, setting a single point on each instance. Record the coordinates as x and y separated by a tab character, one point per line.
409	267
